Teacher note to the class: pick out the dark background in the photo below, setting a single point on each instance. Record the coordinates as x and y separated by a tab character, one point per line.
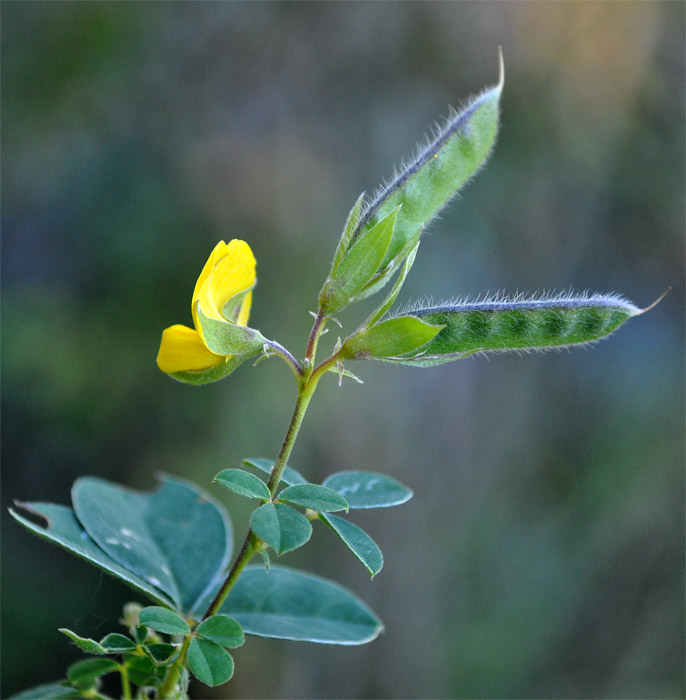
543	553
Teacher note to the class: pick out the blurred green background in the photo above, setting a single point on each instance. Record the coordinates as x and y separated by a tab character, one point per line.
543	553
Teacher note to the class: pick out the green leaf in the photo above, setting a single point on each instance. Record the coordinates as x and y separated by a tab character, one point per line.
359	266
90	646
213	374
290	476
48	691
161	653
65	530
164	620
393	294
357	541
319	498
140	633
287	604
177	538
222	630
518	324
348	230
226	338
209	663
368	489
243	483
116	643
391	338
142	669
436	173
85	673
281	527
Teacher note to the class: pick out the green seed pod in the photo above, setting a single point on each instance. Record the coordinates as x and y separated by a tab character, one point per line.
517	324
439	168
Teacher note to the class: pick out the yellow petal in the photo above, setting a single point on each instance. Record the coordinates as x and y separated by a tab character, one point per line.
182	349
230	270
244	313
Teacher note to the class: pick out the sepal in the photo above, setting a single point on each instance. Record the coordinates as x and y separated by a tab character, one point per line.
224	338
390	338
360	267
213	374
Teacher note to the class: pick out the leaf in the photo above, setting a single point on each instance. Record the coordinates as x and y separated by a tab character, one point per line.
396	336
319	498
224	338
90	646
393	294
290	476
348	230
287	604
368	489
160	653
142	669
85	673
157	535
213	374
64	529
116	643
48	691
164	620
140	633
243	483
358	267
440	168
209	663
222	630
357	541
281	527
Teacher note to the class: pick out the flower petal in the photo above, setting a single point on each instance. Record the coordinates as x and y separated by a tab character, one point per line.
244	313
229	271
182	349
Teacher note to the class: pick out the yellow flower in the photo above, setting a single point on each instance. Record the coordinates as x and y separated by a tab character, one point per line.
223	292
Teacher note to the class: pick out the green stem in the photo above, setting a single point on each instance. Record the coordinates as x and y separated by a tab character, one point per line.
315	333
175	671
306	387
125	683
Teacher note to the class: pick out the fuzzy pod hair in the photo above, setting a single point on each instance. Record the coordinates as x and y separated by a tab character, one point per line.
501	324
441	165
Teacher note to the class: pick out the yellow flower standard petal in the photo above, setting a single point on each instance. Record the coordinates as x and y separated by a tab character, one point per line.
228	276
182	349
229	271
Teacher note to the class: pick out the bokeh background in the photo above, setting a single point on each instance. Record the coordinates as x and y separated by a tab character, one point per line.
543	553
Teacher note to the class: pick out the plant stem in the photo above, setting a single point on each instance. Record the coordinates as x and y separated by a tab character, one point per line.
250	547
280	350
306	387
125	684
312	341
175	671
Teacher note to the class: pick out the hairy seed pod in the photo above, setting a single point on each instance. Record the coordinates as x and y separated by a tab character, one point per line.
518	324
440	167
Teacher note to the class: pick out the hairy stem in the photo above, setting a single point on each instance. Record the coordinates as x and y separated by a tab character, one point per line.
315	333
